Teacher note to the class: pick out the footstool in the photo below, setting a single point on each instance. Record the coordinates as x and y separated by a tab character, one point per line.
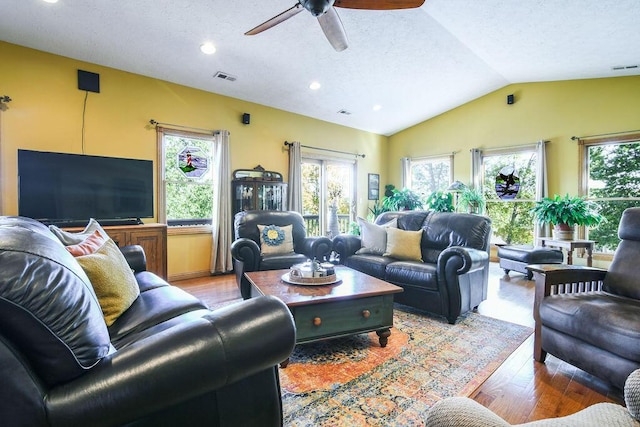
517	257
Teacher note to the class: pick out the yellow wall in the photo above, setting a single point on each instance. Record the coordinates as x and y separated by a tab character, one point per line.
46	114
553	111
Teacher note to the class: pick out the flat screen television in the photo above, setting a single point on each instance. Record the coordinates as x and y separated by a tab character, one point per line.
68	189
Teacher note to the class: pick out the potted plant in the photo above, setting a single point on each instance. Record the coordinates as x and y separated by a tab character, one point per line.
400	200
565	213
440	201
472	199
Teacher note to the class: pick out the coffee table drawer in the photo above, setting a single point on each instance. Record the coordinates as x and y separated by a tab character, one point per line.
339	318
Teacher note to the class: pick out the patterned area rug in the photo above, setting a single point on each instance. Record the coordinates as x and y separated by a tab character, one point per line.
354	382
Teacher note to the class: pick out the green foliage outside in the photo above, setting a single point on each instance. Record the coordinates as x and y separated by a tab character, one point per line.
431	175
440	201
187	198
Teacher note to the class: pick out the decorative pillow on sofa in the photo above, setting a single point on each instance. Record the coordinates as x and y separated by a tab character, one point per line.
112	280
88	246
68	238
404	244
276	240
373	237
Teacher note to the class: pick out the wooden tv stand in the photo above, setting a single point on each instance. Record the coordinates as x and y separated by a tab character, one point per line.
152	238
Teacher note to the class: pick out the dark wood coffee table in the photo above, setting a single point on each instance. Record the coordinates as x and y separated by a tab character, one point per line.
358	303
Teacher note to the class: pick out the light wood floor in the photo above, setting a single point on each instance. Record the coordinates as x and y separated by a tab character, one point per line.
521	390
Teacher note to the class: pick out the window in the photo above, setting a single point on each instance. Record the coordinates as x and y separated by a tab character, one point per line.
509	209
611	177
327	195
187	178
430	174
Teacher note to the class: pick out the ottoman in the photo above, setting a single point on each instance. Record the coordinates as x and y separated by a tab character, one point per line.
517	257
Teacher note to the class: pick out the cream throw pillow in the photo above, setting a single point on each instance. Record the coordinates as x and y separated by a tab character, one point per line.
276	240
404	244
112	280
373	236
68	238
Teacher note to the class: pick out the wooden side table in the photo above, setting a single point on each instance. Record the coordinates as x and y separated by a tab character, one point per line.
570	245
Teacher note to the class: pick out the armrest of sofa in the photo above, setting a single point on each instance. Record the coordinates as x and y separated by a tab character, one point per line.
458	260
134	254
346	245
318	247
179	364
246	251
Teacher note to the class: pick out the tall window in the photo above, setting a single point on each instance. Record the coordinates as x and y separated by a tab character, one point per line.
186	178
429	174
509	185
611	177
327	195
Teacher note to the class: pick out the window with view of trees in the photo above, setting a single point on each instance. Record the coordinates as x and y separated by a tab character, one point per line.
187	178
430	174
512	221
611	178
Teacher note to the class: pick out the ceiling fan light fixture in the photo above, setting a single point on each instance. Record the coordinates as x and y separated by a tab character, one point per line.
315	86
377	107
208	48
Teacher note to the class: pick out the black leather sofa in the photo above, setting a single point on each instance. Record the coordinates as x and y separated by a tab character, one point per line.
590	317
166	361
453	277
246	252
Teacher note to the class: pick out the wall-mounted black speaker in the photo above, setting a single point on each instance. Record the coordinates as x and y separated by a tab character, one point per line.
246	118
88	81
510	99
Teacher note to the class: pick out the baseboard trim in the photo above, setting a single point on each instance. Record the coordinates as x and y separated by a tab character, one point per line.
188	275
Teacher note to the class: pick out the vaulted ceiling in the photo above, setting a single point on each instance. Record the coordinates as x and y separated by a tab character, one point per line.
414	64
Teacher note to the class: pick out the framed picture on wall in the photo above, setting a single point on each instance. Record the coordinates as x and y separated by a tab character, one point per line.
374	186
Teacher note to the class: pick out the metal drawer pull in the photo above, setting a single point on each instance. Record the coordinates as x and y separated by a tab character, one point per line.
366	314
317	321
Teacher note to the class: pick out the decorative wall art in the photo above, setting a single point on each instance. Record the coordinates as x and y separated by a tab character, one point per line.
193	162
374	186
507	183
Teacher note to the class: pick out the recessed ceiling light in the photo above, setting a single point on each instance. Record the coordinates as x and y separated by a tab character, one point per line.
377	107
51	1
208	48
314	86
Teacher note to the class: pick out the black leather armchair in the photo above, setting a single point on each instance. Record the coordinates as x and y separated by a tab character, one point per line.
590	317
166	361
246	247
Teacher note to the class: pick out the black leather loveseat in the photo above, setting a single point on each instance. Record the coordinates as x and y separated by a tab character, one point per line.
165	361
453	275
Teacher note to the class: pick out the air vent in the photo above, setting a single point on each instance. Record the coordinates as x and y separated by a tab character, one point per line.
225	76
345	112
624	67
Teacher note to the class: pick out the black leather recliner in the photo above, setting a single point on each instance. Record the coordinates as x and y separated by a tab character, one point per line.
166	361
590	317
245	249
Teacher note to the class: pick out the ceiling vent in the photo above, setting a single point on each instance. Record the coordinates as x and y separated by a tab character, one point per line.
624	67
225	76
345	112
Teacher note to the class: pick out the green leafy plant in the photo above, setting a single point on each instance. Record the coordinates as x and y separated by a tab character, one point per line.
472	200
376	210
567	210
404	199
440	201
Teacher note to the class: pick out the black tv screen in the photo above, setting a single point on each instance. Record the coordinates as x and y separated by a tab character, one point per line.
66	189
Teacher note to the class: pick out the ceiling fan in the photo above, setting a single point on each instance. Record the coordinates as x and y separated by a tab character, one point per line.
328	18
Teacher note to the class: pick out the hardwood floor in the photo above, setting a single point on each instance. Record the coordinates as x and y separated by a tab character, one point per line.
521	390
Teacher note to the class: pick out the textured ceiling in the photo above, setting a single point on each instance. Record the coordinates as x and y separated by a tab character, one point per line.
415	63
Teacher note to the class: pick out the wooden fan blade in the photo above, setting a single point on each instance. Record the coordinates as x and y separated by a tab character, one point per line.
379	4
334	30
275	20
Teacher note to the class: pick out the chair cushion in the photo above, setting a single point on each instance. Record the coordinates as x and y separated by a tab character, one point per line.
48	308
373	265
373	236
613	322
275	239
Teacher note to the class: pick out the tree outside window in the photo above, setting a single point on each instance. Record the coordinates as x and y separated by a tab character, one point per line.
430	175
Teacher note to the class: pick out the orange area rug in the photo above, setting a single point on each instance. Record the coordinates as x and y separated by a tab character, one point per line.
352	381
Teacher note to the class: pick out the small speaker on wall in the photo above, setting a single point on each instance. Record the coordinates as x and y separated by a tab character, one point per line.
88	81
246	118
510	99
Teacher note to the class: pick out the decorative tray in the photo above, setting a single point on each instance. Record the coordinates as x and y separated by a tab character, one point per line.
315	281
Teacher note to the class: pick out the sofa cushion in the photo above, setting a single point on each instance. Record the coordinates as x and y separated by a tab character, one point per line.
275	239
48	308
112	280
88	246
373	236
613	322
404	245
67	238
373	265
413	273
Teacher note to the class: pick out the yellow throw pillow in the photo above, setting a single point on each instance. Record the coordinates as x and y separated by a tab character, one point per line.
112	280
404	244
276	240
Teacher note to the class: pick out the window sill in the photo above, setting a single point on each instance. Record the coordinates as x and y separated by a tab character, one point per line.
179	230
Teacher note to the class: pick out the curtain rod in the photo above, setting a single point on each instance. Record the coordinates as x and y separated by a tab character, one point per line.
155	123
510	147
325	149
573	138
